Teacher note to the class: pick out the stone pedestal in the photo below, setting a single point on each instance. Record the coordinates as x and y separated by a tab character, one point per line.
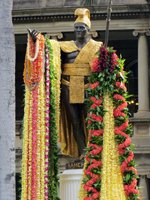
144	188
70	183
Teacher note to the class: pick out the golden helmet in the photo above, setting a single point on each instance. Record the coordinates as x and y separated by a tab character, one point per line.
83	16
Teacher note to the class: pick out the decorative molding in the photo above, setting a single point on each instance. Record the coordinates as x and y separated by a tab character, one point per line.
35	18
139	120
142	149
97	25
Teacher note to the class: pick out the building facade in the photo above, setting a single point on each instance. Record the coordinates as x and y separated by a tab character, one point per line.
129	35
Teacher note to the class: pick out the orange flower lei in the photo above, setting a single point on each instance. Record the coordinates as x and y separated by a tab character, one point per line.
33	68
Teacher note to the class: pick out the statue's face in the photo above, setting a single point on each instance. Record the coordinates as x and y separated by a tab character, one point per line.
81	31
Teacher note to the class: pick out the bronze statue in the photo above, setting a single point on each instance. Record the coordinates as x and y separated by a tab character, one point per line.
77	57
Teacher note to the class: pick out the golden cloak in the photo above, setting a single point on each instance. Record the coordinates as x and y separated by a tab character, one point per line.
85	57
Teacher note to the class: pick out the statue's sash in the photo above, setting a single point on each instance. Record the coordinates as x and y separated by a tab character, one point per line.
80	69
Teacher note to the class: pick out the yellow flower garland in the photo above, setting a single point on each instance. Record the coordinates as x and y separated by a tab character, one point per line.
82	192
57	68
41	141
111	180
43	132
25	144
30	149
34	170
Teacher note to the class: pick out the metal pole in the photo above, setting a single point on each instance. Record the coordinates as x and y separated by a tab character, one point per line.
109	9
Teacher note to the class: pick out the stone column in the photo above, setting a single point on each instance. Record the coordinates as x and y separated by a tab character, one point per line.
143	184
143	74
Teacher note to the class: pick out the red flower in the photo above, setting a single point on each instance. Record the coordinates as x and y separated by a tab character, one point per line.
129	189
97	132
95	65
114	61
93	99
95	195
121	151
134	183
96	118
91	182
97	102
118	113
123	166
93	106
89	188
87	198
131	169
94	85
119	97
89	122
114	58
121	85
96	151
123	126
103	58
125	144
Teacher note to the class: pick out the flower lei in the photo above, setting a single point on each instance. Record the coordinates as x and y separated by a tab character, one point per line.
33	68
53	157
34	127
47	120
39	161
107	101
36	49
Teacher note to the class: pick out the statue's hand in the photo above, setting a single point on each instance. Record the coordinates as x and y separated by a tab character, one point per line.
33	34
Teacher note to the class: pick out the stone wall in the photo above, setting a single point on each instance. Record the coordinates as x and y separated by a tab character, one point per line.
34	4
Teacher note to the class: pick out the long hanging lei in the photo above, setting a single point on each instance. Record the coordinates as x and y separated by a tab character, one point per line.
52	46
39	160
34	123
109	168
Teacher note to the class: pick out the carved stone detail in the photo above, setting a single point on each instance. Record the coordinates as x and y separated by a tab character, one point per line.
55	35
94	34
141	32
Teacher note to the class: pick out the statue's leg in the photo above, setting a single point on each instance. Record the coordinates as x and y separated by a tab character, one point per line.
74	113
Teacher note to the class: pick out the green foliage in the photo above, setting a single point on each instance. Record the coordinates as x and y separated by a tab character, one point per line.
53	157
133	197
97	185
119	139
129	130
123	157
97	140
131	163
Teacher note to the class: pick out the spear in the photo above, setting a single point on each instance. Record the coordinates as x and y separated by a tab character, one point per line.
109	9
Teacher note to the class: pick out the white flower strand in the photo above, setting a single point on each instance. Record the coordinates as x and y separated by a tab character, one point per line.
36	50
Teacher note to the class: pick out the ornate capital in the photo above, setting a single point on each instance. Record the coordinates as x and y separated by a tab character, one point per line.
94	34
55	35
141	32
